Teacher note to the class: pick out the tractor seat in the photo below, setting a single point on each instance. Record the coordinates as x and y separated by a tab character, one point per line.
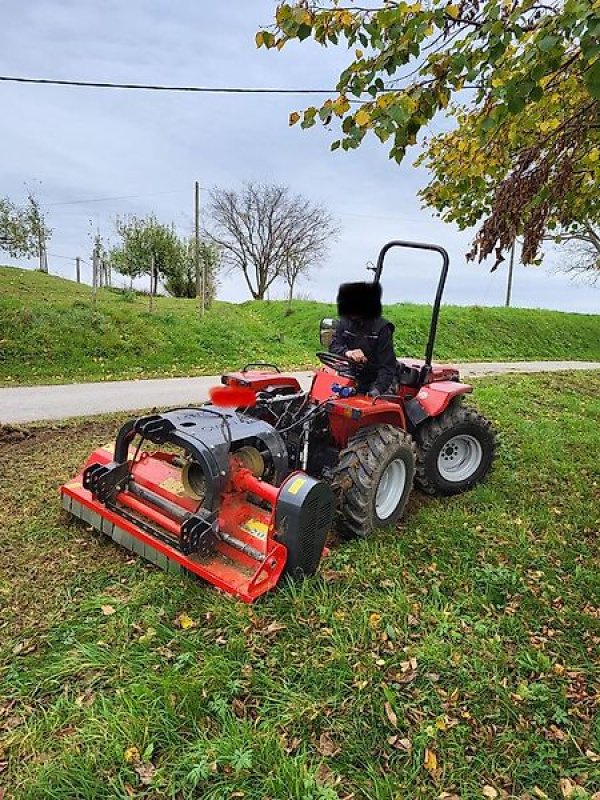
407	375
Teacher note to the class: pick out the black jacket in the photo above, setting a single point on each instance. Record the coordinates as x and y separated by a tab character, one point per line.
374	338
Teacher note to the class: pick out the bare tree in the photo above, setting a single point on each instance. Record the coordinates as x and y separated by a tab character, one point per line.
267	233
583	250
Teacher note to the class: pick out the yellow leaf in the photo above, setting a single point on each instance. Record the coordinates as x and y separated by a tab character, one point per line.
302	16
359	54
362	117
385	100
259	39
294	117
184	622
108	611
340	105
132	754
430	760
490	792
453	11
374	619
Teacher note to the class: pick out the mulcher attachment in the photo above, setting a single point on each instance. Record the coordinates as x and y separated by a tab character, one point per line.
217	501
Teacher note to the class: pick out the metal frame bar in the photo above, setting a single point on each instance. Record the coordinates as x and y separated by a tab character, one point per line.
440	287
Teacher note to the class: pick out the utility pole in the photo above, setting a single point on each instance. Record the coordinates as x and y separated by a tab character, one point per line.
78	269
95	275
200	277
42	250
511	266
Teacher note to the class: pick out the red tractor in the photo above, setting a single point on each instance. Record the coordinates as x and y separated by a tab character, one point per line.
371	450
244	494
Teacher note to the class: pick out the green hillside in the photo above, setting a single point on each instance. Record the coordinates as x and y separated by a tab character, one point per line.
51	332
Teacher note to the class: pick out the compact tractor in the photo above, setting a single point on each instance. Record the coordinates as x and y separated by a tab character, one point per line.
244	490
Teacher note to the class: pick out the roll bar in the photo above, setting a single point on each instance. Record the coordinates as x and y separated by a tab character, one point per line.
440	287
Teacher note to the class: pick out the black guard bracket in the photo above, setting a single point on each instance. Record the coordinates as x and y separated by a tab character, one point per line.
207	434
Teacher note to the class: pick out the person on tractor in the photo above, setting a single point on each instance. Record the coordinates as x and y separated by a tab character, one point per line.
365	337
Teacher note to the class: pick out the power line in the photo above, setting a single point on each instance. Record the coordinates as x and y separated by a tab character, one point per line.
165	88
67	258
121	197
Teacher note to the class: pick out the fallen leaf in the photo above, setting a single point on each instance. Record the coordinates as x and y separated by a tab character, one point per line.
391	714
148	635
238	707
69	730
275	627
430	760
400	744
539	793
13	721
145	772
85	699
292	746
327	746
108	611
592	756
325	775
185	622
131	755
567	787
24	648
374	619
489	791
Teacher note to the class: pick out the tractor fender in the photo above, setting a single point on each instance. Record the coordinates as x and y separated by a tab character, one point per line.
433	399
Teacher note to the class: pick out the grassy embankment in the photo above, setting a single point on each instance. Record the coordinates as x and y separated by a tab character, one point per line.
456	656
50	332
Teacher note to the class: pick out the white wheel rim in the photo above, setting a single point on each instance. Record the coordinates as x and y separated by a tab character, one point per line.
459	458
390	489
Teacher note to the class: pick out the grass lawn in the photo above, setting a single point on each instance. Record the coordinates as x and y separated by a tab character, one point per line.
457	656
50	332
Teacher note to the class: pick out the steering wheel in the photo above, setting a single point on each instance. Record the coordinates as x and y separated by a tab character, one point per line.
341	364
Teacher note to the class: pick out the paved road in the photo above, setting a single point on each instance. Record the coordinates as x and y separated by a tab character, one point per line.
32	403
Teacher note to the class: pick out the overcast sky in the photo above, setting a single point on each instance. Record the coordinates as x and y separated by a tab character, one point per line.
76	146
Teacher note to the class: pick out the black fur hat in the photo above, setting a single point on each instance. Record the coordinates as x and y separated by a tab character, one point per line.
359	300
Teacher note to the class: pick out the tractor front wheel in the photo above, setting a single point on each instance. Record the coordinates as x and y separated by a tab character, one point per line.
373	479
455	451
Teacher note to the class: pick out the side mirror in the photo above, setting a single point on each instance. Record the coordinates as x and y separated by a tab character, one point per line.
327	329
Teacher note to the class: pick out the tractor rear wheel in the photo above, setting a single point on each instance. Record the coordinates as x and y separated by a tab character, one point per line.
373	479
455	451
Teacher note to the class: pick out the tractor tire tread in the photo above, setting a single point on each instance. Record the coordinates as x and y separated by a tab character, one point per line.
353	477
457	413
